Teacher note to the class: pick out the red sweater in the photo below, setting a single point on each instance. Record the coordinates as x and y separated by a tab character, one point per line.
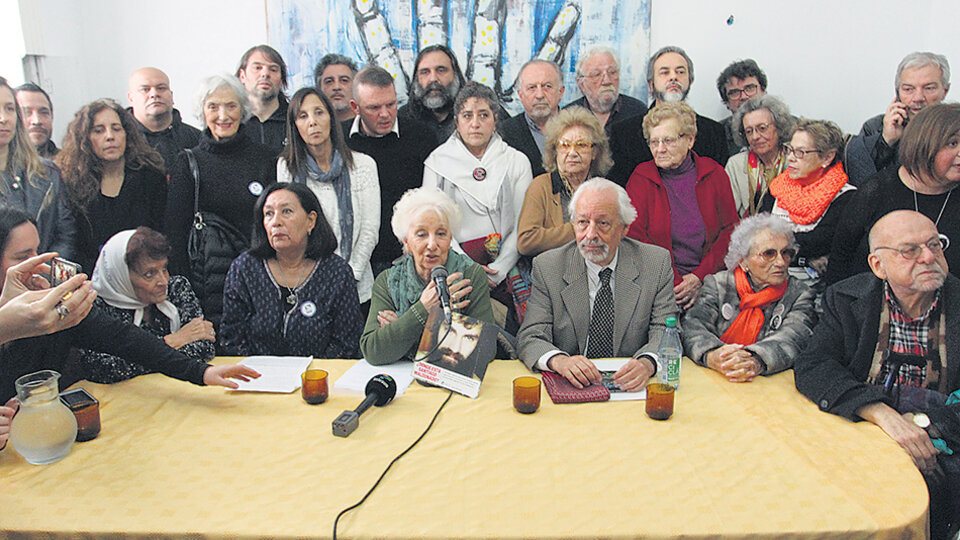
714	198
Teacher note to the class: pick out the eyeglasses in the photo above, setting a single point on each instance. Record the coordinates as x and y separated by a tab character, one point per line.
768	255
801	152
613	73
669	142
912	251
748	90
762	129
579	145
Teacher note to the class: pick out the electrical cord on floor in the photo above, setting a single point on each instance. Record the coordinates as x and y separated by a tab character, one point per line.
396	459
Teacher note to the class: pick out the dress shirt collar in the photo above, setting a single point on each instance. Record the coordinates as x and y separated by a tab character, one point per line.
593	274
355	129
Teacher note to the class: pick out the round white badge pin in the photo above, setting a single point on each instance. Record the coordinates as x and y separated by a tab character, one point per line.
256	188
308	309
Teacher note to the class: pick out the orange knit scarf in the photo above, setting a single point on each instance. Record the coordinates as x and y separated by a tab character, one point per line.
806	204
746	327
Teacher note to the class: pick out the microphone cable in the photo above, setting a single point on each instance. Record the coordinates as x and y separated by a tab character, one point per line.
396	459
401	454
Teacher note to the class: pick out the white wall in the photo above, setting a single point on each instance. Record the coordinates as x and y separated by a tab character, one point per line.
827	59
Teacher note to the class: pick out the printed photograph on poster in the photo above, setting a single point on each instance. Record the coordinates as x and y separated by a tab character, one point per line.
455	355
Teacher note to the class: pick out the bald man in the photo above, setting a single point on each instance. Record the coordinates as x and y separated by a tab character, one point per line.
846	366
151	103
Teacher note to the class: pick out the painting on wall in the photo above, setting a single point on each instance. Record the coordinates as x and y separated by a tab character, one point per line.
491	38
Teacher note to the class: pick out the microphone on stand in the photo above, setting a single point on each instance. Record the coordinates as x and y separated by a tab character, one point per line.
380	390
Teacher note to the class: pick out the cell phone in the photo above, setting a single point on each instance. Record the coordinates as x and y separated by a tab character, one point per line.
61	270
77	398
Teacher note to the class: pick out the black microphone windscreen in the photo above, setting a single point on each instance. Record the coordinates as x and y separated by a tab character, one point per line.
438	271
383	386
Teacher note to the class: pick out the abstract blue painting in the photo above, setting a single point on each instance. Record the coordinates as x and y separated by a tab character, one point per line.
491	38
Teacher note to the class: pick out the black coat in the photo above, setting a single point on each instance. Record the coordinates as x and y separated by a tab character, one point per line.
101	333
833	368
516	133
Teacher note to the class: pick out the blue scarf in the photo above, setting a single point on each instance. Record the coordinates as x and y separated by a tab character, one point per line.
339	176
405	284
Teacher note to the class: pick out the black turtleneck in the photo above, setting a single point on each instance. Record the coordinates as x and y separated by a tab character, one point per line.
231	170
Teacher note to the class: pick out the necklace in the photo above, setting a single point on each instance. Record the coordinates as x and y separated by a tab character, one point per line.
936	222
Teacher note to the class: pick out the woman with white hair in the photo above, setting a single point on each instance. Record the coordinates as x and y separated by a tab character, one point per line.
425	221
232	172
753	318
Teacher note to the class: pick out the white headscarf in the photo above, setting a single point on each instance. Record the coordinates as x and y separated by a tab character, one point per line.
111	280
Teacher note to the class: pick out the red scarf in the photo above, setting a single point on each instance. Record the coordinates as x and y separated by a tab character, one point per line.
746	327
806	204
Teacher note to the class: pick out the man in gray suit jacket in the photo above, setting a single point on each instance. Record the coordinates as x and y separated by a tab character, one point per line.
565	287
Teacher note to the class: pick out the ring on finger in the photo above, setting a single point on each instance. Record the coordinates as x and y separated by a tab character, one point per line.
62	311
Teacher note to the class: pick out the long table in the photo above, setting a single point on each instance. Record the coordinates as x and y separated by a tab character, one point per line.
750	460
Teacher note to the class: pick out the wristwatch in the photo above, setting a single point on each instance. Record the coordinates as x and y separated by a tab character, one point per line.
921	420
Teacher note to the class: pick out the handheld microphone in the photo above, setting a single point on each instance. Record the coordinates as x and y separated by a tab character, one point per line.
439	277
380	390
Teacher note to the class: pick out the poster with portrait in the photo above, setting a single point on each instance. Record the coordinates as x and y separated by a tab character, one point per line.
455	356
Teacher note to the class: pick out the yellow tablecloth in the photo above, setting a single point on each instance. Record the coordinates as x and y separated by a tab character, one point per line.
736	460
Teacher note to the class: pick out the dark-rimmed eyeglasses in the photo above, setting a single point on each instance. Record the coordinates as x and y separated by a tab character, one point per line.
749	90
801	152
912	251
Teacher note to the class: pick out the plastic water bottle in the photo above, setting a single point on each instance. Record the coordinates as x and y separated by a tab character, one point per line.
669	353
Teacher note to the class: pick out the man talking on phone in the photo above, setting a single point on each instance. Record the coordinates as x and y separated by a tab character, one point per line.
923	78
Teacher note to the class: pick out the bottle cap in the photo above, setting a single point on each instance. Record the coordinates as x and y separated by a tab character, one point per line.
671	321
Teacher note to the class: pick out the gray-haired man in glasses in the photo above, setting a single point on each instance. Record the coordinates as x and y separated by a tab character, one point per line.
899	324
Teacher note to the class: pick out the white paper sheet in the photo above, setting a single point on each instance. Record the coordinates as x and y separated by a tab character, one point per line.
280	374
354	381
612	365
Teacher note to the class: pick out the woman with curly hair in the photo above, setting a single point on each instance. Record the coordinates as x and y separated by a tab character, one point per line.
114	180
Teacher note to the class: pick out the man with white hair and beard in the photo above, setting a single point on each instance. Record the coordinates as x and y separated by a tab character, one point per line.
888	335
598	78
602	296
669	77
436	82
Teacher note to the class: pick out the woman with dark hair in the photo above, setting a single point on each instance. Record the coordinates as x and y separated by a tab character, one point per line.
133	285
488	180
928	175
345	182
811	194
31	183
290	294
114	179
232	171
18	244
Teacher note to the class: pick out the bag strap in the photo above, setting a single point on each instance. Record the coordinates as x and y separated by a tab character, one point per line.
195	171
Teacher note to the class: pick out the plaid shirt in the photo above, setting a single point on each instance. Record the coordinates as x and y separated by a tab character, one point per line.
907	336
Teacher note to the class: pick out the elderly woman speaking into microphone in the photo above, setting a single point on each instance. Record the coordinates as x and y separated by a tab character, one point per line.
754	318
424	221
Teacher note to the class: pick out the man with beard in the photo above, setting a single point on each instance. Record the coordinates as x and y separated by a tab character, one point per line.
669	76
573	314
36	109
151	103
264	74
437	80
923	78
598	77
888	335
540	88
334	77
